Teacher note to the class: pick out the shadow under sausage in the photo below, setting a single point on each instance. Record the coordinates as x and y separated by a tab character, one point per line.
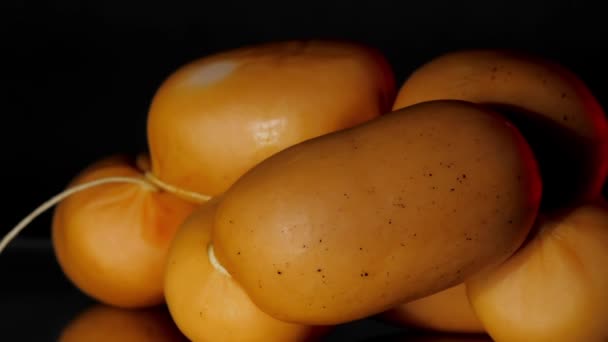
429	337
568	162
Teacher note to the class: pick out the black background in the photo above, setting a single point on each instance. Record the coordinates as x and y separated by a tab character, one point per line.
78	76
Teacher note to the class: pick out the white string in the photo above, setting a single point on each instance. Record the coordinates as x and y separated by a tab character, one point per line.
194	196
59	197
215	263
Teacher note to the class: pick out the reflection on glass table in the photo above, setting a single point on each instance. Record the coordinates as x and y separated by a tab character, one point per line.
37	303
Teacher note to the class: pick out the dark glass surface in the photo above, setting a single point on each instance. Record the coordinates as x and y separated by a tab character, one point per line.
37	303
